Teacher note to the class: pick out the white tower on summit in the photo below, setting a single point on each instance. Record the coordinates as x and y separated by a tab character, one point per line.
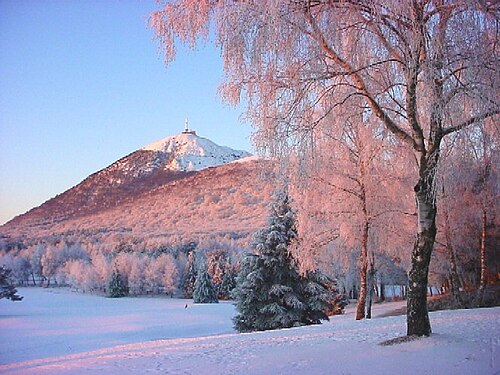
186	128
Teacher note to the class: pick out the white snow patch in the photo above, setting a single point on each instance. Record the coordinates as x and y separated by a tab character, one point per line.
193	153
248	159
58	332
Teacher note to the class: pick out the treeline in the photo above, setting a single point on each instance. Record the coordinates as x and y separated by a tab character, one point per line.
163	270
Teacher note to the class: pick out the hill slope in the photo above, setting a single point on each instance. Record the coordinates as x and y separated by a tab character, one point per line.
183	186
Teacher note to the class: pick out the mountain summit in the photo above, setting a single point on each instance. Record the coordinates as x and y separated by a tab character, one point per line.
189	152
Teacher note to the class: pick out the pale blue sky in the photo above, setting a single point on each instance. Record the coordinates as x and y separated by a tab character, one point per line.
82	83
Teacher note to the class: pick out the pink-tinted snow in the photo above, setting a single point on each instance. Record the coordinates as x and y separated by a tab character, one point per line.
57	331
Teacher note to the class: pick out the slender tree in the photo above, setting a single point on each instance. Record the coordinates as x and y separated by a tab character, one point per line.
425	68
189	277
350	190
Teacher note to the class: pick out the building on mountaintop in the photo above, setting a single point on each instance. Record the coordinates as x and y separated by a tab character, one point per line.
186	128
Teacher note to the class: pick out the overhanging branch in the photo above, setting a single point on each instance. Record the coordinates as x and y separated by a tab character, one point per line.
471	121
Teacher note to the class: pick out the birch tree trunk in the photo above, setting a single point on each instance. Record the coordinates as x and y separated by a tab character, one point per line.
363	270
483	281
360	308
417	314
371	285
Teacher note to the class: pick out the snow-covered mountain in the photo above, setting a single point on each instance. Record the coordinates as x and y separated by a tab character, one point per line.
190	152
160	189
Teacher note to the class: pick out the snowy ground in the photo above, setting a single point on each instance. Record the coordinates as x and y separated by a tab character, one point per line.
57	331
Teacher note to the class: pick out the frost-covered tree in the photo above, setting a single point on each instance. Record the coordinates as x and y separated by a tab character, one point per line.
19	266
228	282
117	287
189	277
425	69
322	297
348	196
267	295
36	261
161	274
7	289
216	261
270	291
50	263
204	289
136	279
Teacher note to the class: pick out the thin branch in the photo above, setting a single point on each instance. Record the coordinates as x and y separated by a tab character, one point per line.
471	121
358	81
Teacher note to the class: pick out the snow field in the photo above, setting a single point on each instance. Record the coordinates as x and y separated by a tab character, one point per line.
59	332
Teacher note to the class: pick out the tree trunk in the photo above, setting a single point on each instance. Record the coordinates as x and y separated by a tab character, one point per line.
369	303
454	278
417	314
483	281
371	285
360	308
382	291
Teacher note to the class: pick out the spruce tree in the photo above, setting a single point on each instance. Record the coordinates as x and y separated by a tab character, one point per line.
321	296
7	289
228	283
269	285
117	287
270	291
204	290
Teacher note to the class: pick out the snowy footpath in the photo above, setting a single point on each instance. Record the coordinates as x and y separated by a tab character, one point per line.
55	331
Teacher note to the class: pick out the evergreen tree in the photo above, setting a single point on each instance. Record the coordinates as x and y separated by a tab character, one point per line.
228	282
189	277
269	285
270	292
321	296
204	290
7	289
117	287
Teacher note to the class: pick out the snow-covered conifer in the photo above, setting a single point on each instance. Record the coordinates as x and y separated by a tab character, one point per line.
228	282
321	296
204	289
7	289
117	287
268	294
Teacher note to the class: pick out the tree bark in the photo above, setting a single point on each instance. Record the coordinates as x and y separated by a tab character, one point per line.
363	270
417	314
371	285
360	308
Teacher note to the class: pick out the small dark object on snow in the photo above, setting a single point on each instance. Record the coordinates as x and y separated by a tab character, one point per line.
186	306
